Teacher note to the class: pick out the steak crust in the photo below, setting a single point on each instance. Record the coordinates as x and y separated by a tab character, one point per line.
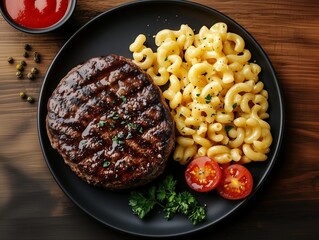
110	123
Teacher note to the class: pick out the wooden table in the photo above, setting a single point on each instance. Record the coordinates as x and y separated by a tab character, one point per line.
32	206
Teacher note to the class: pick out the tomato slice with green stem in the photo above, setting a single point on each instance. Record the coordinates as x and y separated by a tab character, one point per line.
236	182
203	174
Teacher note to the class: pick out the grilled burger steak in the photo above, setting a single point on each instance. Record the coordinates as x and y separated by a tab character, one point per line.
110	123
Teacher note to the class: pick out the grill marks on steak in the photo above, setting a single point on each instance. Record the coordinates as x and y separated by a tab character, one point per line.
110	123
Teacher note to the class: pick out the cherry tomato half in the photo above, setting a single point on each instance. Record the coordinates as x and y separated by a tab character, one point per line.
203	174
236	182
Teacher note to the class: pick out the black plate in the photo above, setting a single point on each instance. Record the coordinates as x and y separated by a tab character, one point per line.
113	32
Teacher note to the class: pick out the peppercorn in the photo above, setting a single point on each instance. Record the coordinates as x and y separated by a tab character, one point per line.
36	57
20	67
34	70
30	99
23	63
27	47
19	74
31	76
23	95
10	60
25	54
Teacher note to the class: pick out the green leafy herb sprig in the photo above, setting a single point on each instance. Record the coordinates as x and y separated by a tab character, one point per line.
165	196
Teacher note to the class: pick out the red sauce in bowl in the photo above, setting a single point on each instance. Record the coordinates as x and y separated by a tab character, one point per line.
36	13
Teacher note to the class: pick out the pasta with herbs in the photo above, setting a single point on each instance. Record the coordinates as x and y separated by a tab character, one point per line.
217	101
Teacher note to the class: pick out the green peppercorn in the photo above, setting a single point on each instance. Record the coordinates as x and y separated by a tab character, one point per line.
25	54
31	76
10	60
23	95
30	99
27	47
36	57
34	70
19	74
20	67
23	63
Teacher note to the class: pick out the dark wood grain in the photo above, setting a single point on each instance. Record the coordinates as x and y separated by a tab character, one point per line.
32	206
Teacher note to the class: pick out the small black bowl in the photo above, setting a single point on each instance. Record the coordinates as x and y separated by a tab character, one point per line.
65	18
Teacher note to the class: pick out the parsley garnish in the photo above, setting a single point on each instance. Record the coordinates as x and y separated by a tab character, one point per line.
113	115
234	105
83	142
117	139
123	99
132	126
106	163
208	98
228	128
129	135
101	123
165	196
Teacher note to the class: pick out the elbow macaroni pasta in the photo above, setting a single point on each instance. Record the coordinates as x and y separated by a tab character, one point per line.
214	93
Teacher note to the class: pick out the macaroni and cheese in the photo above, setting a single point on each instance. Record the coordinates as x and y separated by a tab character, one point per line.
217	101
